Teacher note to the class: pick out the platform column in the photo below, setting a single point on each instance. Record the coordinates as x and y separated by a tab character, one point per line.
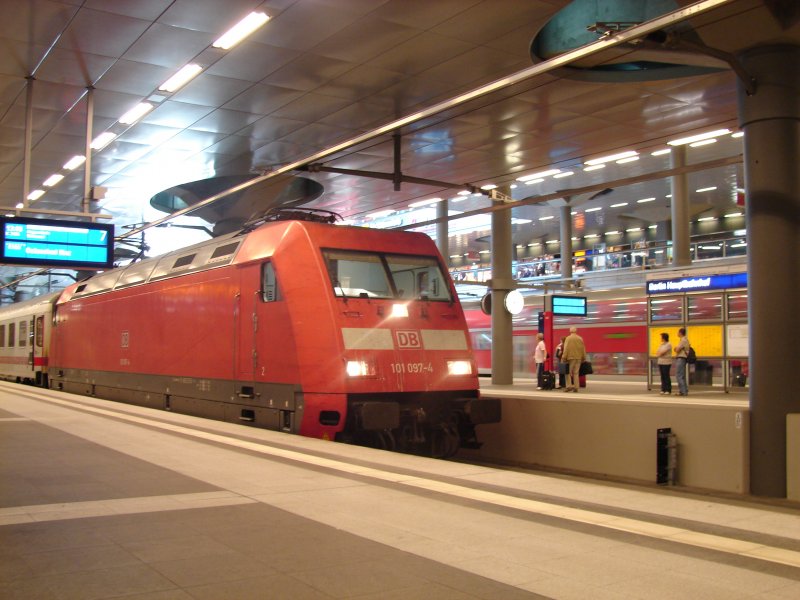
770	119
681	250
442	230
566	240
502	282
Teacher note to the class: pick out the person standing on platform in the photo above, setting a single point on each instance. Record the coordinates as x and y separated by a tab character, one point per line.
561	364
681	353
574	354
539	357
664	360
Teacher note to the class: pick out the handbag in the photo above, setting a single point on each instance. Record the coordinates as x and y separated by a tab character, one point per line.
586	368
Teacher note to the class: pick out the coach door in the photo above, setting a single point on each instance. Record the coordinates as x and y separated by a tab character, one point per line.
245	326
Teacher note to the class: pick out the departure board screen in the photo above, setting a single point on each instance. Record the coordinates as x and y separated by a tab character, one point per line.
54	243
575	306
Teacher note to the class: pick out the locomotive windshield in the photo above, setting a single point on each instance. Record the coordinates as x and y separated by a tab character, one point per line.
391	276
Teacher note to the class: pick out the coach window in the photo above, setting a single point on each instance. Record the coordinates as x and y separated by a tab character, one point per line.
23	333
2	336
39	331
269	283
12	334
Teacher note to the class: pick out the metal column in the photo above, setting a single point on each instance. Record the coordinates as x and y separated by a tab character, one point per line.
566	240
87	166
770	118
681	251
442	228
502	283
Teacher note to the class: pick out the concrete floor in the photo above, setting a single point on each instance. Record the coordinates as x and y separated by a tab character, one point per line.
103	500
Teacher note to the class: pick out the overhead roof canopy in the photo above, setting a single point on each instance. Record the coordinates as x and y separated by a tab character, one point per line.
320	72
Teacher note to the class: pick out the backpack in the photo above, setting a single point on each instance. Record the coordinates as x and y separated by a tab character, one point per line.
691	356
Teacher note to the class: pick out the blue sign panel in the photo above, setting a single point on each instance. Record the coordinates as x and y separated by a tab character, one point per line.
51	243
569	305
697	284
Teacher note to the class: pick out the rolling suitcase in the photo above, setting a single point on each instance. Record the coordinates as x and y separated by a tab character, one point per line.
548	380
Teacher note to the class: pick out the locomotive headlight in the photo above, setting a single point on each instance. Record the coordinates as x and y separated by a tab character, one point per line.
459	367
399	310
359	368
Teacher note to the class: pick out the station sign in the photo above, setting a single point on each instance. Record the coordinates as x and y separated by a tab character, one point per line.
54	243
697	284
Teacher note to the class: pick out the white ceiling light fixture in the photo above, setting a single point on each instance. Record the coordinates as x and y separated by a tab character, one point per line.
564	174
103	140
52	180
737	134
539	175
594	167
661	152
532	181
136	113
35	195
241	30
595	209
428	202
489	186
545	218
696	138
633	229
612	232
645	200
609	158
181	78
703	143
706	189
622	161
74	162
619	205
731	215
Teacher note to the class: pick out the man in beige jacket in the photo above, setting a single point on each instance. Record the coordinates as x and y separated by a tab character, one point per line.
574	354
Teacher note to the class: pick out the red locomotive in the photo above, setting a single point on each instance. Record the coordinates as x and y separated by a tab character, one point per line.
302	326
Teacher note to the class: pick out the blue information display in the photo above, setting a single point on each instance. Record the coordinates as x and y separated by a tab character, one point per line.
697	284
52	243
569	305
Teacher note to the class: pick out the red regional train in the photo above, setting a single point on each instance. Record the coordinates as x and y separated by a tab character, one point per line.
292	324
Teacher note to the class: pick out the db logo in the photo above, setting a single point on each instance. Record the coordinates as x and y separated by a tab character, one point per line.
408	339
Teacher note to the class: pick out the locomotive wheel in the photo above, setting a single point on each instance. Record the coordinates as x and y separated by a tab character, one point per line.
444	442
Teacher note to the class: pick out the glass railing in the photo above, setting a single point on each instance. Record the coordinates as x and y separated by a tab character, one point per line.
650	256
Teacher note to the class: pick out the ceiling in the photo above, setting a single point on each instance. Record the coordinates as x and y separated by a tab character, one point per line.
322	72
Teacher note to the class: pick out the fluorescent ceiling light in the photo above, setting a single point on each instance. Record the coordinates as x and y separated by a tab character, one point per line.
546	173
633	229
736	214
564	174
181	78
590	236
622	161
35	194
698	137
594	209
706	189
594	167
707	219
489	186
241	30
652	226
551	242
545	218
74	162
532	181
102	140
644	200
661	152
605	159
52	180
619	204
464	193
737	134
703	142
136	113
612	232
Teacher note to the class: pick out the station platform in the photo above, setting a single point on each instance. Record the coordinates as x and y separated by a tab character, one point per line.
105	500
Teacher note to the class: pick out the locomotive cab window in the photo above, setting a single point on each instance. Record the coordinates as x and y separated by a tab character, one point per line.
372	275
